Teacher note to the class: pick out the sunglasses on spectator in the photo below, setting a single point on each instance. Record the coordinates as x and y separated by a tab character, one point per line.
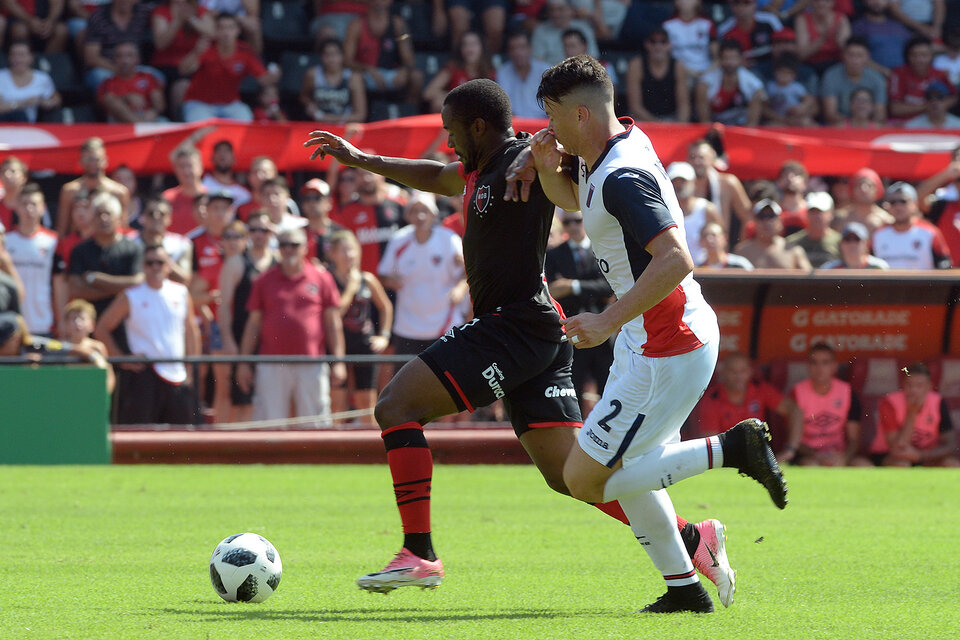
258	230
573	221
154	263
898	201
766	216
851	238
312	197
658	41
233	236
287	245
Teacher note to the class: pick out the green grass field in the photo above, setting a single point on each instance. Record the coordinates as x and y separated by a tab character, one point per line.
121	552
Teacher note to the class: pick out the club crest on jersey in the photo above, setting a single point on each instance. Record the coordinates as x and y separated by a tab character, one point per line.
590	195
482	199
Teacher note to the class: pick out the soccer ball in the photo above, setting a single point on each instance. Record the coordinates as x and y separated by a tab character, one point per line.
245	567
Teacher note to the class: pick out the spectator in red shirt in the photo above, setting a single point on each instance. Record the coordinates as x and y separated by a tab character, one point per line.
176	27
792	182
218	68
739	396
131	95
821	33
379	46
294	310
915	424
751	28
908	84
371	216
188	169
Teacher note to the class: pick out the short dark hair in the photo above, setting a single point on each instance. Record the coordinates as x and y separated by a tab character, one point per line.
30	189
729	44
574	73
223	143
656	32
574	32
786	61
481	99
326	42
518	33
915	41
279	181
917	369
150	248
822	347
856	41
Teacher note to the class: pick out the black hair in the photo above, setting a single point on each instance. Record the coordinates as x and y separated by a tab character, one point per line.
656	31
481	99
824	347
323	44
859	41
223	143
915	41
786	61
574	32
917	369
574	73
730	45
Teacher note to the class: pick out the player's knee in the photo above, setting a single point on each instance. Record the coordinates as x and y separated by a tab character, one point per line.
393	408
582	488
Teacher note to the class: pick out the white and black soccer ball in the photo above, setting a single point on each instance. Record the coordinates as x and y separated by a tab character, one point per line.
245	567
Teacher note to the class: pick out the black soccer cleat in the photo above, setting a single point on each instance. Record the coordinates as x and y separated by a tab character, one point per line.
758	461
691	598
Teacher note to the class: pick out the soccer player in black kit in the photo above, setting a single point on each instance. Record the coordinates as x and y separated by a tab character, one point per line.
513	349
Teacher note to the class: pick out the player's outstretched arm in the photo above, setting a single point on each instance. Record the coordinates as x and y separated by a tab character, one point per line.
425	175
546	159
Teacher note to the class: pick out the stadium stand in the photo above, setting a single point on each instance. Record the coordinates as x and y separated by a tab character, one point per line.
285	26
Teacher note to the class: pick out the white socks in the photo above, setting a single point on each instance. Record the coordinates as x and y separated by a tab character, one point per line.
662	467
653	521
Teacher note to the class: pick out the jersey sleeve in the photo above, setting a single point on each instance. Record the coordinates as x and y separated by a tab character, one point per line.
633	197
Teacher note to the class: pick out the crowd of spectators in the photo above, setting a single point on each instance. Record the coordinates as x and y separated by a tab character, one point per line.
234	255
748	62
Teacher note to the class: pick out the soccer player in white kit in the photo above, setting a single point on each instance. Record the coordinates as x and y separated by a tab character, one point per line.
629	448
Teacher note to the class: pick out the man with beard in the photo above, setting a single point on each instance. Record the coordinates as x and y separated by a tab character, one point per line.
222	178
372	217
93	162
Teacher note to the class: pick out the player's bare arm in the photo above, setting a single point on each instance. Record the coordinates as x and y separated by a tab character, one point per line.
669	265
549	160
523	171
425	175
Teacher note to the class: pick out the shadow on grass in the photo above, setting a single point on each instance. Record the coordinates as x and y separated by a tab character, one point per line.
244	612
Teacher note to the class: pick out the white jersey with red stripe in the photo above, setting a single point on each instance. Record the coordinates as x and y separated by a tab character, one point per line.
627	200
427	272
34	257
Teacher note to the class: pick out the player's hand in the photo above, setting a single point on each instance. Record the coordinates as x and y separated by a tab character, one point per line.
547	152
328	143
338	374
521	170
244	376
586	330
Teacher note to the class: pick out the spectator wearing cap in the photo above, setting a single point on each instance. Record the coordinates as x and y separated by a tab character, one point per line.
158	317
855	250
714	241
697	211
751	28
819	242
657	86
223	177
884	35
910	242
821	32
217	69
294	309
729	93
909	82
866	189
316	205
936	115
768	249
842	79
423	263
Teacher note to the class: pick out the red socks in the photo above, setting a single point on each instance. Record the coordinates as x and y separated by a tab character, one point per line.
411	465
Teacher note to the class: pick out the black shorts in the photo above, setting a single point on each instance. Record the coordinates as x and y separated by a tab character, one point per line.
364	375
490	358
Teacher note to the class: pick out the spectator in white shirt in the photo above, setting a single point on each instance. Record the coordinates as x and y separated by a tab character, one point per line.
520	76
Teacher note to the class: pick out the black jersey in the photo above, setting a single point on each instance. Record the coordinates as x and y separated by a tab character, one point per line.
504	245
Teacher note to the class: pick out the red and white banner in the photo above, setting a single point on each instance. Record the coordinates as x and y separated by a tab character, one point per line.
753	153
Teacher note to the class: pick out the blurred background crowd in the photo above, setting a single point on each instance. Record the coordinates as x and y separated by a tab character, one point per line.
208	259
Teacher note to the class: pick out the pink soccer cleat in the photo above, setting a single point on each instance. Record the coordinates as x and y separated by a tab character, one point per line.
405	570
711	559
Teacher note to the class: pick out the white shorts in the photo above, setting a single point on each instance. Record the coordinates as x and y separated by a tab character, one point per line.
645	402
